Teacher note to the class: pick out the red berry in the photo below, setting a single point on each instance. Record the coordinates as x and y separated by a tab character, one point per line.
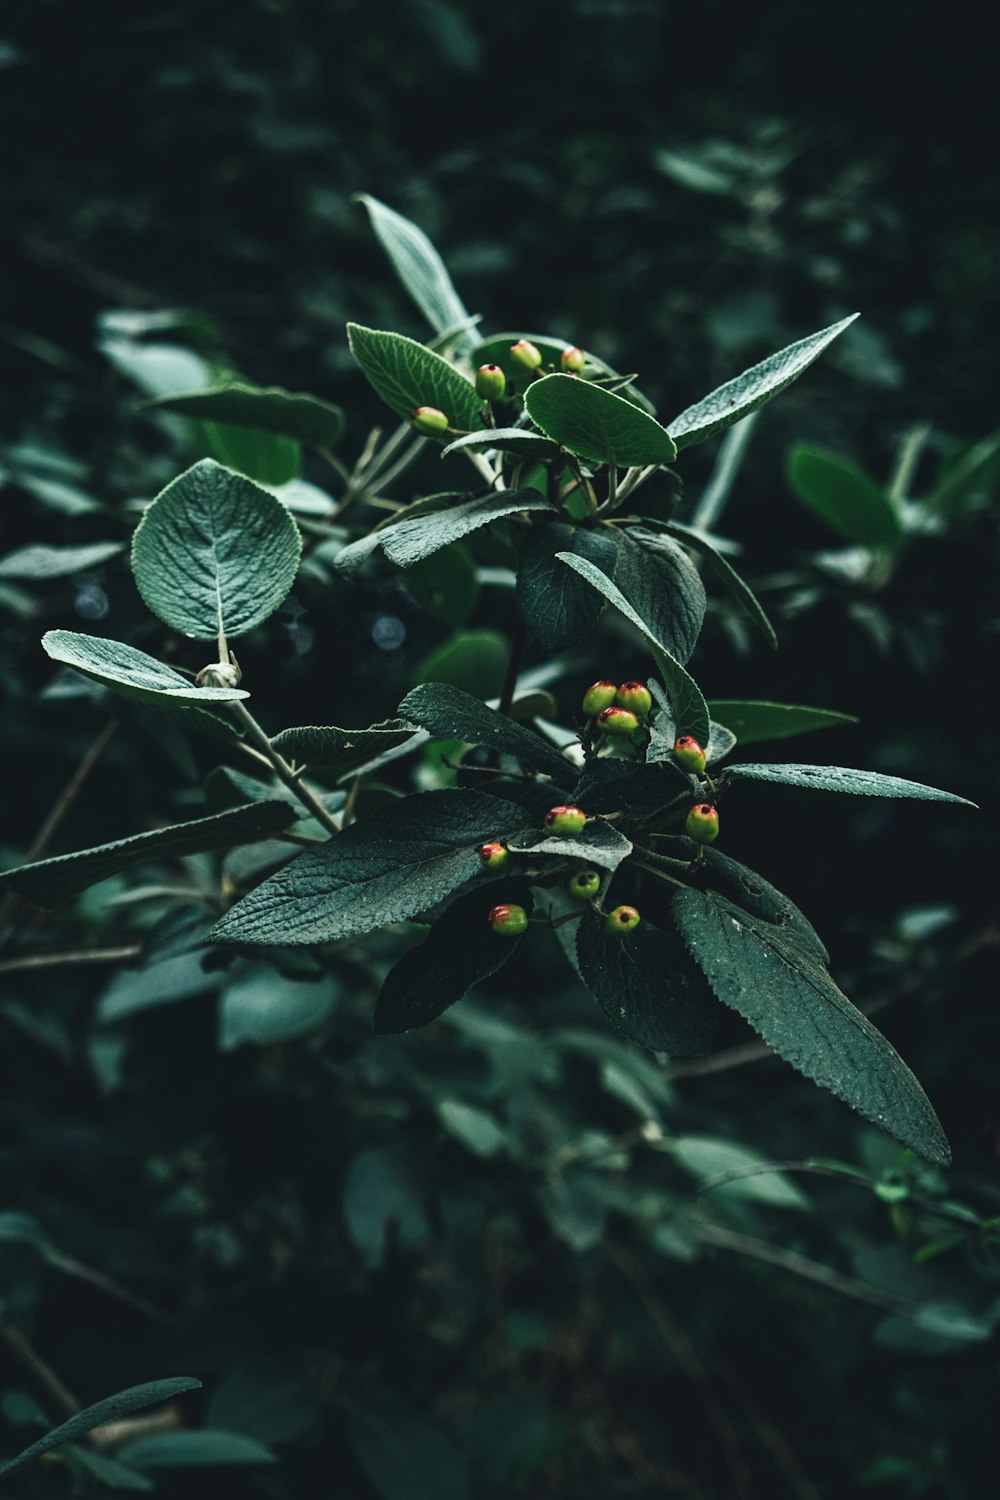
620	721
688	754
635	696
623	919
573	360
491	382
494	856
565	821
702	823
525	354
584	885
508	919
598	696
429	419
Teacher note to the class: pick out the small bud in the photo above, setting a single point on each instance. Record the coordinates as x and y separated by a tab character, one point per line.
635	696
565	821
688	754
585	885
220	674
619	721
508	920
573	360
598	696
494	856
429	419
526	355
491	382
702	823
623	919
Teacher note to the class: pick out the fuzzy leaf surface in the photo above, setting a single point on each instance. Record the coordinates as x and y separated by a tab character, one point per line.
756	719
556	605
845	779
599	844
596	424
662	585
407	375
410	541
327	745
648	987
291	414
450	713
761	899
517	440
420	269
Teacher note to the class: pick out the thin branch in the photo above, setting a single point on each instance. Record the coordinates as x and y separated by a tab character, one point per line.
27	1355
282	769
800	1265
68	959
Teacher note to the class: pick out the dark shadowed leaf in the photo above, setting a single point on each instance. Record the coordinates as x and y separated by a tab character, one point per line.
755	719
756	895
845	498
410	541
556	605
648	987
112	1409
843	779
290	414
662	585
449	713
326	745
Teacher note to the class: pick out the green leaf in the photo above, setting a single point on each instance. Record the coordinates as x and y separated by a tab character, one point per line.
460	950
648	987
108	1471
161	983
264	457
326	745
761	899
496	351
515	440
261	1008
449	713
753	388
407	375
728	577
473	660
410	541
206	1446
112	1409
844	497
756	719
608	785
557	607
599	844
689	709
662	585
765	975
291	414
157	369
843	779
215	552
382	869
476	1129
402	1456
419	267
708	1158
596	424
446	585
53	881
41	561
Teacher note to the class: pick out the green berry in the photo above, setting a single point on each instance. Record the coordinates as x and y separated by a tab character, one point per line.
688	754
525	354
585	885
565	821
623	919
491	383
429	419
618	721
635	696
599	695
702	823
494	856
573	360
508	919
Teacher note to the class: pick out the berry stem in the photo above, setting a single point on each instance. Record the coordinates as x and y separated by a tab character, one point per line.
659	874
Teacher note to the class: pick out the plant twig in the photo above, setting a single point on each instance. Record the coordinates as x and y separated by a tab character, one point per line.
800	1265
67	959
518	650
282	769
27	1355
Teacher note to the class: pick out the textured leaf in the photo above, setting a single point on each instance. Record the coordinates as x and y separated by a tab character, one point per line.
842	779
41	561
599	844
516	440
556	605
728	577
720	741
52	881
648	987
261	1008
385	868
765	975
409	541
419	267
290	414
450	713
689	709
596	424
407	375
644	789
496	351
215	552
460	950
112	1409
753	388
326	745
761	899
845	498
206	1446
662	585
756	719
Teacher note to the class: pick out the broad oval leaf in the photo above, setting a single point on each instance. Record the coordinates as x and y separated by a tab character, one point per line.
844	779
766	976
291	414
648	987
41	561
449	713
728	577
410	541
419	267
265	457
662	585
596	424
738	397
515	440
556	605
757	719
385	868
407	375
214	552
845	498
327	745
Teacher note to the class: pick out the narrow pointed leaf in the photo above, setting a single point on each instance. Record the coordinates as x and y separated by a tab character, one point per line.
419	267
291	414
751	891
844	779
662	585
407	375
756	719
42	561
599	844
327	745
844	497
450	713
648	987
753	388
596	424
728	577
410	541
556	605
515	440
765	975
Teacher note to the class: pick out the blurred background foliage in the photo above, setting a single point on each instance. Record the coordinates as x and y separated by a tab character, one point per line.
496	1258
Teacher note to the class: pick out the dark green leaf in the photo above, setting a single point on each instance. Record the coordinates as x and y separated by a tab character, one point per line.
161	983
384	868
407	375
765	974
261	456
845	498
648	987
473	660
505	440
409	541
185	1450
557	607
108	1471
290	414
260	1008
843	779
52	881
753	388
612	785
755	719
446	585
112	1409
728	576
662	585
41	561
401	1454
596	424
599	844
419	267
449	713
142	678
326	745
757	896
215	552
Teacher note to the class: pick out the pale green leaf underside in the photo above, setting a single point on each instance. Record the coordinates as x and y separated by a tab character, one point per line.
411	540
215	552
746	392
504	440
292	414
596	424
758	719
845	779
407	375
41	561
419	267
598	844
110	1410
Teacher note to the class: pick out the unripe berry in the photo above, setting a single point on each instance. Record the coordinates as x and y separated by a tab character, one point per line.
598	696
429	419
573	360
623	919
508	920
702	823
565	821
619	721
525	354
491	382
494	856
585	885
688	754
635	696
